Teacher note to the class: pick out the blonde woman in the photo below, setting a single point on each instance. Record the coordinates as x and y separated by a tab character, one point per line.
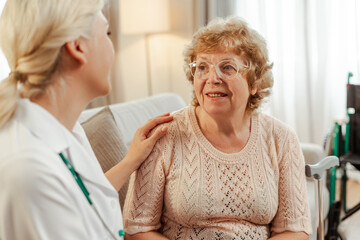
51	186
224	170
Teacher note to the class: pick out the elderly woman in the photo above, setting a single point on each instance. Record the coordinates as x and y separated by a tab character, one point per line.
224	170
51	185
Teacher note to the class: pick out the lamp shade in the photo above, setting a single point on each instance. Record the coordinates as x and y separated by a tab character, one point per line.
144	16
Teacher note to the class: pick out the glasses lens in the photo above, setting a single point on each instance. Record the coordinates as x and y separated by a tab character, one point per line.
200	69
227	69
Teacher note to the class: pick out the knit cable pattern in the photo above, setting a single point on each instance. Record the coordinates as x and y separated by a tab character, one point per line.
187	189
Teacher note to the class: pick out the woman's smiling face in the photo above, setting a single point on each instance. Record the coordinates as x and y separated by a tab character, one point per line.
217	94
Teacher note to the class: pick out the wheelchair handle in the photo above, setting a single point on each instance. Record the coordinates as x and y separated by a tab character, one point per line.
317	170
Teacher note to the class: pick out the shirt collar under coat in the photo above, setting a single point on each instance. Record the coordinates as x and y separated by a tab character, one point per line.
47	128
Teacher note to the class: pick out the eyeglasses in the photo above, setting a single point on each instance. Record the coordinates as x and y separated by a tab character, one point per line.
225	69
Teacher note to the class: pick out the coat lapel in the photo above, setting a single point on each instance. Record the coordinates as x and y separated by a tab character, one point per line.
47	128
84	159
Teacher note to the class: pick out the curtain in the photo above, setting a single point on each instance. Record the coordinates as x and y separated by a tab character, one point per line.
313	45
220	8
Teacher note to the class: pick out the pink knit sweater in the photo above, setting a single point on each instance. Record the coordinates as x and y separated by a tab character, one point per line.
187	189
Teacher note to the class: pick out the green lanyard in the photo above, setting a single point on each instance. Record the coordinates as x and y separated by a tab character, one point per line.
86	192
76	177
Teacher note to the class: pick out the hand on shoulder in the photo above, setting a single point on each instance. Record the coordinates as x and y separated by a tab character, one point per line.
146	137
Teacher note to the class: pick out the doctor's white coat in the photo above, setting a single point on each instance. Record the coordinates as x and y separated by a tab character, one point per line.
39	198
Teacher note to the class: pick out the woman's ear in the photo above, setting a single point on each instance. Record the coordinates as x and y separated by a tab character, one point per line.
76	50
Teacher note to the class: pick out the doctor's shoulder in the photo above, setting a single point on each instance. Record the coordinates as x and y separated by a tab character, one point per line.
32	194
24	160
16	139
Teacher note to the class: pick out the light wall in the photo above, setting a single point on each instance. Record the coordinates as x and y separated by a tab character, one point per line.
166	60
129	74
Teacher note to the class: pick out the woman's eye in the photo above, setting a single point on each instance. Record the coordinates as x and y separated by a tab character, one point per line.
202	67
229	68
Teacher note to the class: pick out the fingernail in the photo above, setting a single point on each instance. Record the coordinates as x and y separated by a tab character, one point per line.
163	129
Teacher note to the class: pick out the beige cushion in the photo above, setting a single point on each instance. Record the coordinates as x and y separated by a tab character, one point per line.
105	139
313	153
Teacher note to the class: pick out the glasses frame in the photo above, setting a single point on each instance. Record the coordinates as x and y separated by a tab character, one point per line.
217	69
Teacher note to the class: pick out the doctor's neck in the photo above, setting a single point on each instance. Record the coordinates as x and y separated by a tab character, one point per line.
63	100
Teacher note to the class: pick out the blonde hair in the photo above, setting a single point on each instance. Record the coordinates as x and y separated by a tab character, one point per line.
33	33
233	35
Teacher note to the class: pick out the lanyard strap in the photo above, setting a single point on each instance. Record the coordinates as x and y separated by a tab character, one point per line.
87	194
76	177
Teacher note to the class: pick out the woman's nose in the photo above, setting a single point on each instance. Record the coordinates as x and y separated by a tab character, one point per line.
213	77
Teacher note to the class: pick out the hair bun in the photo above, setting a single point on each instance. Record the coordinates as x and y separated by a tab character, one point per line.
18	76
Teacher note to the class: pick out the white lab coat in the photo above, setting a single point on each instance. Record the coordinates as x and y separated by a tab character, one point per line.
39	198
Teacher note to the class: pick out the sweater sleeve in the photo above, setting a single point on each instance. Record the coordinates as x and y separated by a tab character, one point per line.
144	199
293	210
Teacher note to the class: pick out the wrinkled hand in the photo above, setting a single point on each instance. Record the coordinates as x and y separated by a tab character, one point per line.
144	140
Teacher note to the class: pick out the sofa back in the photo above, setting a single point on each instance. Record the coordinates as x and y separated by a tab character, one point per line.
129	116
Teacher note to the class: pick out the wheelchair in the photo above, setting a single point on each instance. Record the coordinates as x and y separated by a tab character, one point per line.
346	146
